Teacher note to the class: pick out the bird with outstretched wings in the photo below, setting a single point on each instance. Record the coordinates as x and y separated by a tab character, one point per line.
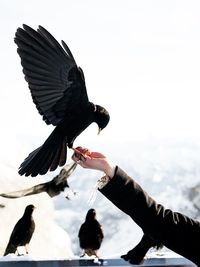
52	188
58	90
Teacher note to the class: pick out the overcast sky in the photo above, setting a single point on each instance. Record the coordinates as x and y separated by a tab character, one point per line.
141	61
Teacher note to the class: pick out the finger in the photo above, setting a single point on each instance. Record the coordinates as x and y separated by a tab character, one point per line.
78	154
77	151
78	157
96	155
74	157
81	153
82	150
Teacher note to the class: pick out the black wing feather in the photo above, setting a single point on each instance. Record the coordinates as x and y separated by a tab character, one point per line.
65	172
43	187
49	70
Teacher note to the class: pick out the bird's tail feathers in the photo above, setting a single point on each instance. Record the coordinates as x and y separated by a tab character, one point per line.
49	156
11	248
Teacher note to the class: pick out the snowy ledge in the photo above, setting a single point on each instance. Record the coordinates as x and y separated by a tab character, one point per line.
27	261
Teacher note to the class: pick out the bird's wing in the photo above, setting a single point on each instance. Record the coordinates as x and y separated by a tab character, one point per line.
65	173
26	192
43	187
57	85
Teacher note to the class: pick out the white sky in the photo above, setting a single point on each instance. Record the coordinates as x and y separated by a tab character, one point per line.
141	61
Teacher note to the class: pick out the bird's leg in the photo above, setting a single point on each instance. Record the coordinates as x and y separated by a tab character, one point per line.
95	253
26	248
84	253
18	254
70	193
91	252
87	252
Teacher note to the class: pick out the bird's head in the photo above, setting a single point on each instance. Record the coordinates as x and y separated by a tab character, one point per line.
29	209
102	117
91	214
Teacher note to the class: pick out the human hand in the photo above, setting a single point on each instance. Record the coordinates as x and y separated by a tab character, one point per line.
93	160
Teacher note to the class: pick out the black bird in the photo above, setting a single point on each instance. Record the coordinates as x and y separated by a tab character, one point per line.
58	89
22	232
90	234
52	188
137	254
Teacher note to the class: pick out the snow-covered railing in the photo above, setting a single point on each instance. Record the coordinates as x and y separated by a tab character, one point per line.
170	262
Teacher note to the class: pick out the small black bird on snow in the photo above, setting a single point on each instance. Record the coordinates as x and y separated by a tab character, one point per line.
90	234
58	90
52	188
22	232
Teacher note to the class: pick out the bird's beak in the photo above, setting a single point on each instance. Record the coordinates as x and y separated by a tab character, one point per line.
99	130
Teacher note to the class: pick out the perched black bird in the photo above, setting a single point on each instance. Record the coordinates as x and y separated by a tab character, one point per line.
52	188
58	89
22	232
90	234
137	254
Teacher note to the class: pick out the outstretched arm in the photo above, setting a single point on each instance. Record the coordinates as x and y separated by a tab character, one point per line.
174	230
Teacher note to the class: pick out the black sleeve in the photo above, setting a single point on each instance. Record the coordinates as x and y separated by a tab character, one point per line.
174	230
